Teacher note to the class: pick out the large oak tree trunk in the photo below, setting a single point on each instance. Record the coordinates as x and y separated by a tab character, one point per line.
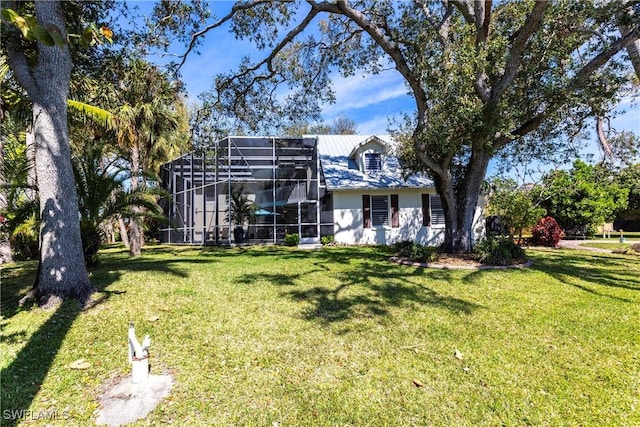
459	202
62	272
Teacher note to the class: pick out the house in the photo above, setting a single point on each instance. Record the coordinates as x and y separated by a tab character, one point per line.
349	186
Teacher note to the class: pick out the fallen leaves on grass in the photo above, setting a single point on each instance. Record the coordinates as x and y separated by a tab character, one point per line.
457	354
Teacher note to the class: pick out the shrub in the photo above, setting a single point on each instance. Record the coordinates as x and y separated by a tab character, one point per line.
23	234
326	240
24	247
403	249
546	232
497	251
292	239
415	251
423	253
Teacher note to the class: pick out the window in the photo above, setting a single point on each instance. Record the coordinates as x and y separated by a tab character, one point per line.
372	162
376	211
379	210
432	211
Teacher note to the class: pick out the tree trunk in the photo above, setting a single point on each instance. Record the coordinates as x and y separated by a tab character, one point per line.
634	48
144	185
458	231
459	203
62	272
634	54
135	241
123	232
109	232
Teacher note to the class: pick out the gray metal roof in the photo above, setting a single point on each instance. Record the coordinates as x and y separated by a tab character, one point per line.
341	172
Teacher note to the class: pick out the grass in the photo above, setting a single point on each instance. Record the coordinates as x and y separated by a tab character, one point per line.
607	245
339	336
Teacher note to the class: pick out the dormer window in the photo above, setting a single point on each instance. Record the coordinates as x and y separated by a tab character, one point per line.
372	162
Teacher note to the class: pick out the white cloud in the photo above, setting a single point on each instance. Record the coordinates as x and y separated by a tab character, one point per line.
357	92
376	125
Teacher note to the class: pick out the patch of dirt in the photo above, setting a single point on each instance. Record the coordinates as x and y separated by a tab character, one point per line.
459	262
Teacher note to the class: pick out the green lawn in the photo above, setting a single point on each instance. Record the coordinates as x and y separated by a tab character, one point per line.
614	246
277	336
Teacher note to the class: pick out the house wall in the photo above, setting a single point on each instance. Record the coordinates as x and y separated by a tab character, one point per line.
348	219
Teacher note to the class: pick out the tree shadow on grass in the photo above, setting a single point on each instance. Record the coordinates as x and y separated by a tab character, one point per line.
22	378
18	278
171	267
365	289
338	254
599	274
272	278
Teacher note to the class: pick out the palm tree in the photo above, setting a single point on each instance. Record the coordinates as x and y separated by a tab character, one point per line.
146	123
242	209
19	205
102	198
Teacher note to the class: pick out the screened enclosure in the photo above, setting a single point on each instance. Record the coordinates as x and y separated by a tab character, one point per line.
244	190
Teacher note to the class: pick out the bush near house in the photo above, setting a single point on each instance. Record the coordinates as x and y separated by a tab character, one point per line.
546	232
292	239
498	251
327	240
511	208
414	251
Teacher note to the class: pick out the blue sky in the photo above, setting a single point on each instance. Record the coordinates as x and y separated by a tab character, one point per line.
369	100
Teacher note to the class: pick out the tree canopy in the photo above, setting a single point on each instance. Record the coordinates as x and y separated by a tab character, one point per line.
514	205
581	198
485	76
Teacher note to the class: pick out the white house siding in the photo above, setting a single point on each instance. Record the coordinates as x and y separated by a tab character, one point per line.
348	219
479	228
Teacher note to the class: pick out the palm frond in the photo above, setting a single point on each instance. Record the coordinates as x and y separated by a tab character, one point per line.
98	115
23	219
28	230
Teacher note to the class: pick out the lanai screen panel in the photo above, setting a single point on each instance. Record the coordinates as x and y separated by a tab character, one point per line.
278	176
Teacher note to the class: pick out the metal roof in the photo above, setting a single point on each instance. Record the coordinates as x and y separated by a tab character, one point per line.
341	172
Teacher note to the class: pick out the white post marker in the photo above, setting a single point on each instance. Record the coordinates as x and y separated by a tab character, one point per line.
138	356
134	398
